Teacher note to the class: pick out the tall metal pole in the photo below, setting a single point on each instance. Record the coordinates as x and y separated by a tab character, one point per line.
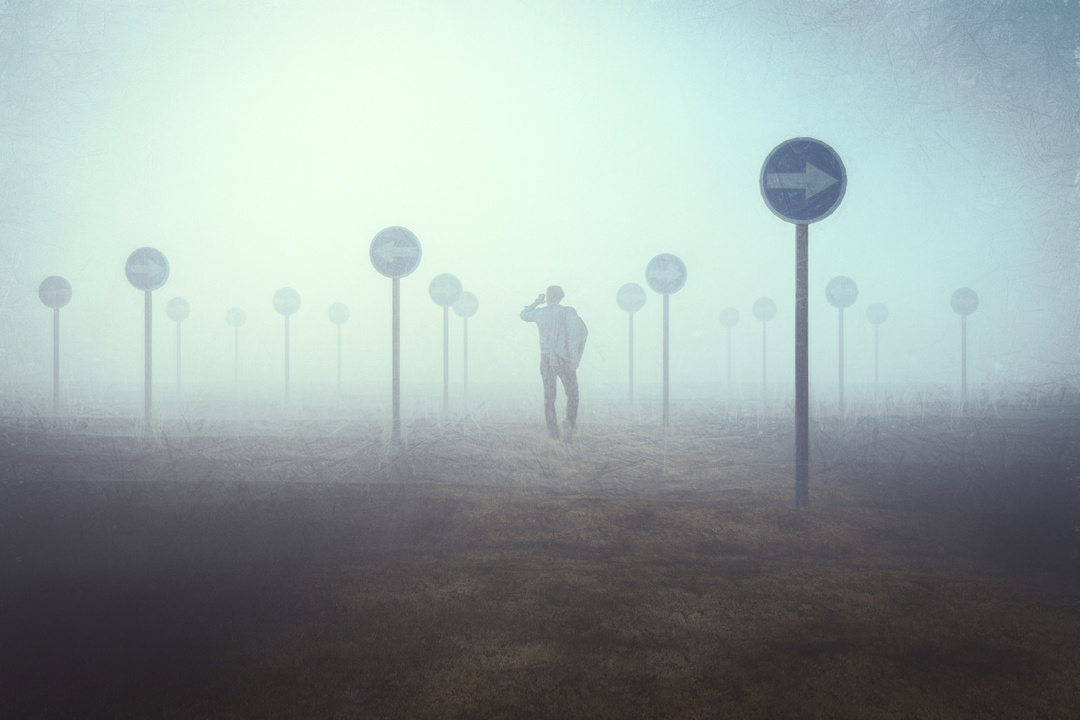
286	358
236	359
445	359
631	315
147	357
56	363
729	364
178	357
763	393
963	359
395	385
876	328
841	366
465	361
802	367
339	360
665	360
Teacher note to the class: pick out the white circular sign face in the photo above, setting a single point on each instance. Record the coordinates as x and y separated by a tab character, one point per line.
631	297
178	309
55	291
665	274
466	305
965	301
444	289
841	292
729	317
764	309
286	301
338	313
235	317
395	252
147	269
877	313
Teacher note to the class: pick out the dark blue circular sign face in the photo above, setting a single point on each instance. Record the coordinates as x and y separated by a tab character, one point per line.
803	180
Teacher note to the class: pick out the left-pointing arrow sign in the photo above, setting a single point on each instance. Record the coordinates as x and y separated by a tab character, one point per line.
813	181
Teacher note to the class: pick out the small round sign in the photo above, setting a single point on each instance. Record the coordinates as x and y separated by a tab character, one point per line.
764	309
877	313
395	252
665	274
631	297
338	313
55	291
729	317
235	317
466	305
178	309
286	301
803	180
841	292
147	269
965	301
444	289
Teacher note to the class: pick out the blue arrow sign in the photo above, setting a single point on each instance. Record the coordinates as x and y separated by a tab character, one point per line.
395	252
147	268
803	180
665	273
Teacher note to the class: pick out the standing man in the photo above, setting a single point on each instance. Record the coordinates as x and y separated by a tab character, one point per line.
562	340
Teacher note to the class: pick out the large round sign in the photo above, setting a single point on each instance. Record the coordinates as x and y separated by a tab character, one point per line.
803	180
338	313
147	269
466	305
178	309
665	273
631	297
444	289
235	317
286	301
55	291
842	292
877	313
395	252
965	301
764	309
729	317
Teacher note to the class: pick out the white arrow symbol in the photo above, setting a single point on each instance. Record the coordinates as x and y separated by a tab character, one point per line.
669	273
812	182
149	270
389	252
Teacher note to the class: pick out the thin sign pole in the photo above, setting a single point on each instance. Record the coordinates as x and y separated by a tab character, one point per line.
236	360
876	328
286	358
802	367
339	360
465	360
56	362
963	358
631	356
729	364
841	367
395	385
178	357
147	356
445	359
763	394
666	360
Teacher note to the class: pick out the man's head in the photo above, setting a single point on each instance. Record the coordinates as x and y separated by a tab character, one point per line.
554	294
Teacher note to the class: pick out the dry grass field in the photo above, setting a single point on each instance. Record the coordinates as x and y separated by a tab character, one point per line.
229	570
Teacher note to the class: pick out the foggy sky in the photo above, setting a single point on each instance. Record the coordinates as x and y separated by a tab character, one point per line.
263	144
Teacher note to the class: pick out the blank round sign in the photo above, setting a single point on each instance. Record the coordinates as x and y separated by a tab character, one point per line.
965	301
877	313
631	297
841	292
235	317
729	317
338	313
55	291
467	304
444	289
764	309
286	301
178	309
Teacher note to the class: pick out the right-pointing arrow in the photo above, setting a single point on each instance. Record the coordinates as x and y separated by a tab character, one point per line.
389	252
813	181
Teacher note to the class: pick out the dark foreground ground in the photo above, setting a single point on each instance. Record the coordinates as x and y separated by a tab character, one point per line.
303	572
